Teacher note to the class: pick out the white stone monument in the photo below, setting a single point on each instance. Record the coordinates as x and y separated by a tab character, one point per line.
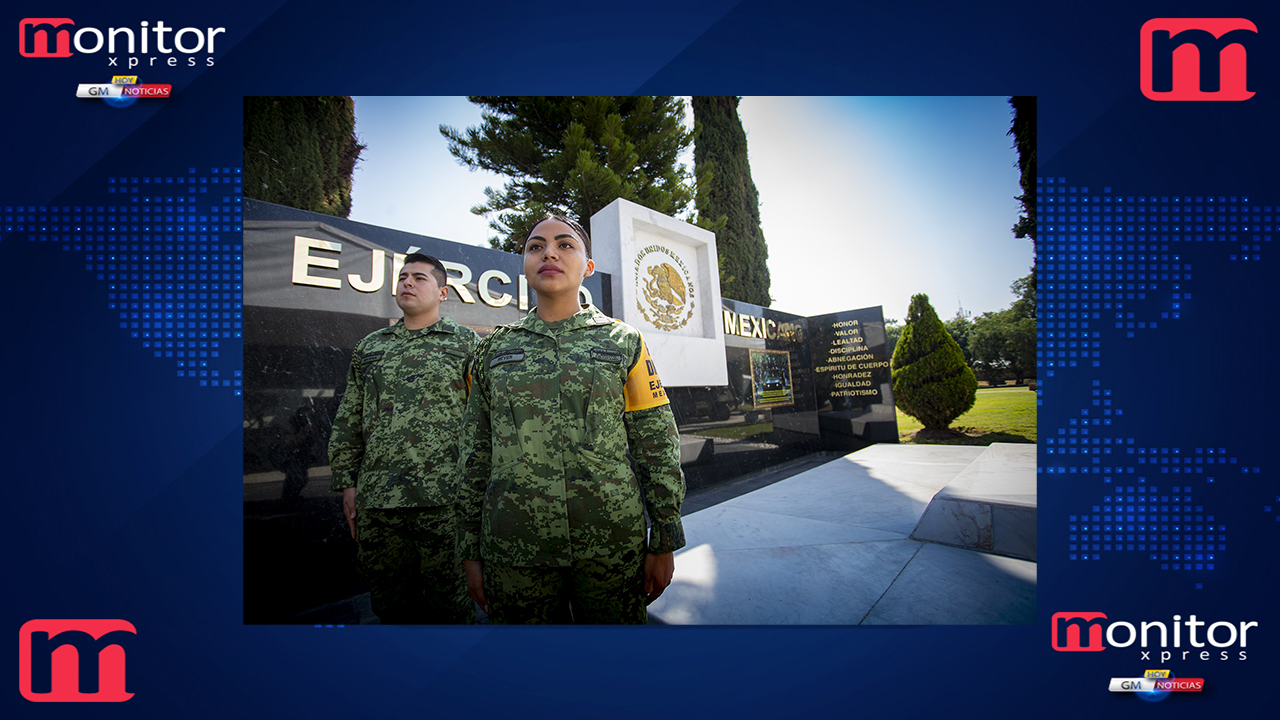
666	282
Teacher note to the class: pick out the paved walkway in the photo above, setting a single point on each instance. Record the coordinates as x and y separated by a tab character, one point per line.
831	545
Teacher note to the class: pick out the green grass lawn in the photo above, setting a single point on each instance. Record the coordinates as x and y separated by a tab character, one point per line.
1002	414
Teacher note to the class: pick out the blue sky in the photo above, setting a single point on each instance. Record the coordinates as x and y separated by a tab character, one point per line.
863	200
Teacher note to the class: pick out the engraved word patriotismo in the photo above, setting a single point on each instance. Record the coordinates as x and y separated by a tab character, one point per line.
664	288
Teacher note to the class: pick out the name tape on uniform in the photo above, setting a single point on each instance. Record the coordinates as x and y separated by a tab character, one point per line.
507	357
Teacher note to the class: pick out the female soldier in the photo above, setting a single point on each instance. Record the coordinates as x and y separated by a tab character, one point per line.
550	508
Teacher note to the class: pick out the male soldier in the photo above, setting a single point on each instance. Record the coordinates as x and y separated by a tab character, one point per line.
394	452
550	508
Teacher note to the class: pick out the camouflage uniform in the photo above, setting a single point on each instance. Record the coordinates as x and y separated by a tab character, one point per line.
395	441
547	484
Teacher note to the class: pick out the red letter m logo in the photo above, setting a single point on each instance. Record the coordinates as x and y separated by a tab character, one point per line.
74	660
40	37
1076	632
1196	58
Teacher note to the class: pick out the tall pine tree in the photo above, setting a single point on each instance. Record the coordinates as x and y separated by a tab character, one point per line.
301	152
720	156
574	156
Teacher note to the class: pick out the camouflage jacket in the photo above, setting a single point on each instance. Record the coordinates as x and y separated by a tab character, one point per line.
395	437
552	414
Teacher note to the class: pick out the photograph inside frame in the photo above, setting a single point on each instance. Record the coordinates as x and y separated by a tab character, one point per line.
766	278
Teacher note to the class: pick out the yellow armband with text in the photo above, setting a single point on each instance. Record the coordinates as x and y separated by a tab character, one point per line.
644	389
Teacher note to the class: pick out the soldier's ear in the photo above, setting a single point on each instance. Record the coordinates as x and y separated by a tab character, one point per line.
591	268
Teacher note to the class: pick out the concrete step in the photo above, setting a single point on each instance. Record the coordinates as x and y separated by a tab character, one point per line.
990	506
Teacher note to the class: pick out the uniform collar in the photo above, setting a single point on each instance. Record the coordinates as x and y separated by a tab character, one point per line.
588	316
444	324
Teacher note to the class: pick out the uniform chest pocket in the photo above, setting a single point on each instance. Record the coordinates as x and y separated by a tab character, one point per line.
454	360
518	381
605	405
523	402
434	358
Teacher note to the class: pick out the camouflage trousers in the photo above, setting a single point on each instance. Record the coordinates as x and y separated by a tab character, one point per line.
598	591
407	558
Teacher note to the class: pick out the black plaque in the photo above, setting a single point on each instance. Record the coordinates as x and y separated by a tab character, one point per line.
852	379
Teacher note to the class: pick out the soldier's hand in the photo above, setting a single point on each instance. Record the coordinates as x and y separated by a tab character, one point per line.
475	583
658	570
349	509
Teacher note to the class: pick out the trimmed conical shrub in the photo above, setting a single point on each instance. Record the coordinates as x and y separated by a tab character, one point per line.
931	381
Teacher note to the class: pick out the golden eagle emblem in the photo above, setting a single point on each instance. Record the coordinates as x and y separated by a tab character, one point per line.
664	287
668	293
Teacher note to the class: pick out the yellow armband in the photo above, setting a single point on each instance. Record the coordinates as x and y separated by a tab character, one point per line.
644	389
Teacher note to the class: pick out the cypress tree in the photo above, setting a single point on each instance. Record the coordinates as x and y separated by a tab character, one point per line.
720	156
574	156
1023	130
301	152
931	381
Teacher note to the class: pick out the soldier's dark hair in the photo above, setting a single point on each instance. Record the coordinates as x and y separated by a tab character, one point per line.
586	239
437	267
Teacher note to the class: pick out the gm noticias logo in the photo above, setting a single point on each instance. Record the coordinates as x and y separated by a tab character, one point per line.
1196	58
1156	685
74	660
123	91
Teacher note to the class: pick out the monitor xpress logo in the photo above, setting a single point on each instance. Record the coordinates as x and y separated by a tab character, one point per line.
74	660
1196	58
146	45
1191	639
